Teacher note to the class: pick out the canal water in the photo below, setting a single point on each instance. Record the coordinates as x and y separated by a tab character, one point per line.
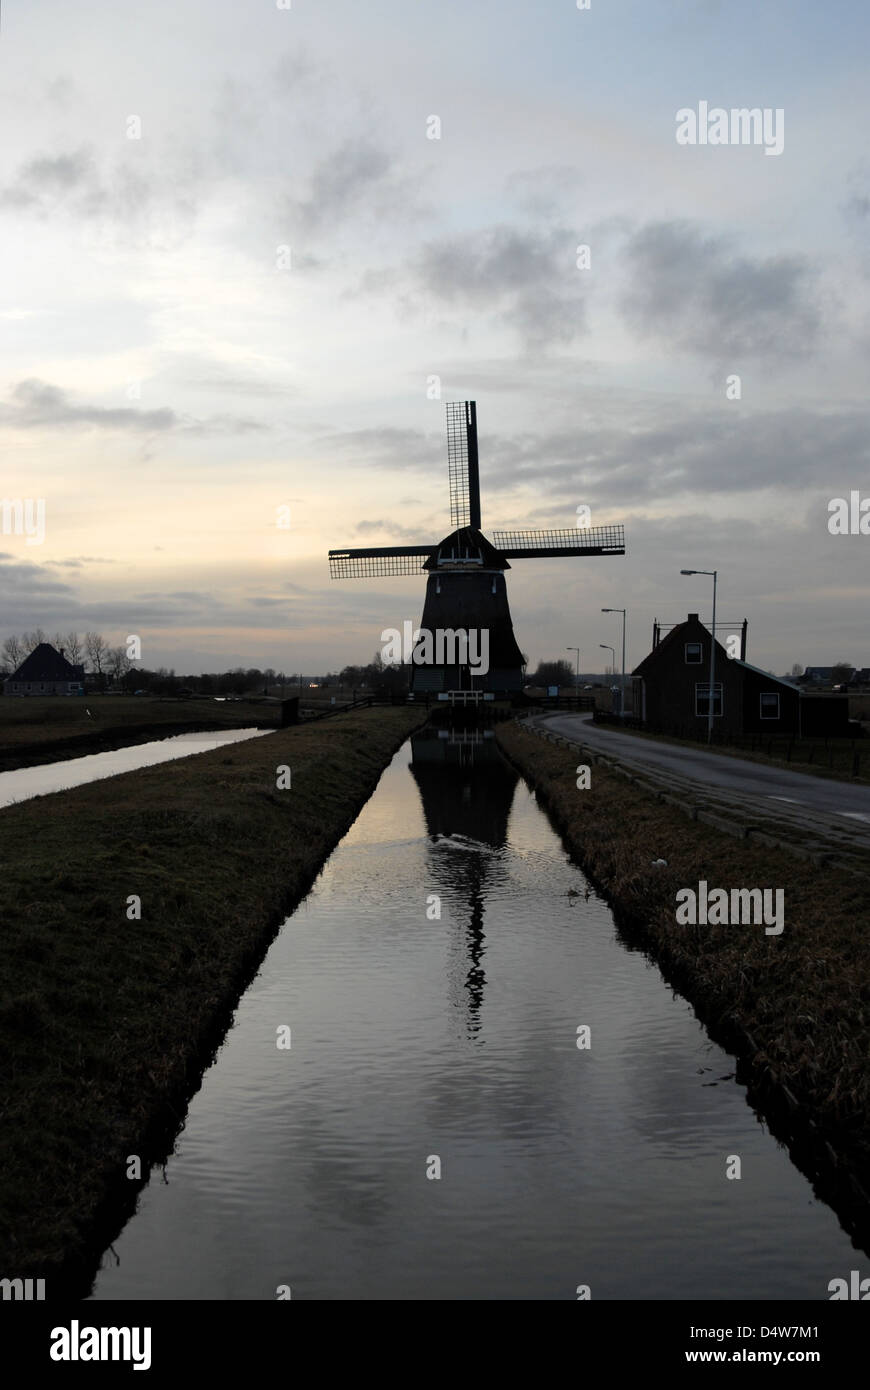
24	782
421	1043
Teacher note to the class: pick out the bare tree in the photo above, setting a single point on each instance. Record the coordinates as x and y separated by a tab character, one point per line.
31	640
118	663
797	669
97	651
74	651
13	653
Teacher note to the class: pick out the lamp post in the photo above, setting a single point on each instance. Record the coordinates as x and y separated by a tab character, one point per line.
577	677
714	574
622	611
612	653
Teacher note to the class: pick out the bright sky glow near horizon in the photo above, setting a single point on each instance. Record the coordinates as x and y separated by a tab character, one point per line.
166	387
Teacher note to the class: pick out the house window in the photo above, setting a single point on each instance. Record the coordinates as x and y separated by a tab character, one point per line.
694	654
702	699
768	702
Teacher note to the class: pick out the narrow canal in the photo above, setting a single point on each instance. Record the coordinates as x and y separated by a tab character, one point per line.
414	1038
25	782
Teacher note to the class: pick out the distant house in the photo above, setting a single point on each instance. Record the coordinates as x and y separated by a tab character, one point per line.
671	693
819	675
46	672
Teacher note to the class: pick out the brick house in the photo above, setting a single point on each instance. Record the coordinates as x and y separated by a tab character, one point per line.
46	672
671	693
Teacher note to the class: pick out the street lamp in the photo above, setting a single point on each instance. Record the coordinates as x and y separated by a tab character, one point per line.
612	653
622	611
577	677
714	574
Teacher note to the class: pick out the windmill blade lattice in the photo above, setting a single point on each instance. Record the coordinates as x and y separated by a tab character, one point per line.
579	540
383	560
462	464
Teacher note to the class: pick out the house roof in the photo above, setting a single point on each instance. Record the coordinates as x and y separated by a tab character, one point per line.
45	664
678	634
780	680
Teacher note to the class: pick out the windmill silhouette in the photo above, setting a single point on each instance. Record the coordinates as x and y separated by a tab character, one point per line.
466	587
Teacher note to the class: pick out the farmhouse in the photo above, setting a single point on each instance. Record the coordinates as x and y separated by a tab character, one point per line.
46	672
671	693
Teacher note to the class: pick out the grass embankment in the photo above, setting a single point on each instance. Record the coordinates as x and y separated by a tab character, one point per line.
45	730
105	1022
795	1007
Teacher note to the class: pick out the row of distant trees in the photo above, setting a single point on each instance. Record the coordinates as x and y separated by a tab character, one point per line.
91	650
109	665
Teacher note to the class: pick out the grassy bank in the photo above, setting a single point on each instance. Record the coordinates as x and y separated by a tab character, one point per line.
45	730
105	1022
795	1008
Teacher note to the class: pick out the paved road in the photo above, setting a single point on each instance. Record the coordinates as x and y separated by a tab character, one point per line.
772	790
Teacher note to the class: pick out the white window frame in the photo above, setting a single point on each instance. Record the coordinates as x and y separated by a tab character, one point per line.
700	646
766	694
718	692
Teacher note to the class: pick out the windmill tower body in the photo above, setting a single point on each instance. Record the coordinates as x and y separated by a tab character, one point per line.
466	591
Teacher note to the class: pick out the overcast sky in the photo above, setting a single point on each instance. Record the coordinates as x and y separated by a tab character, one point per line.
168	381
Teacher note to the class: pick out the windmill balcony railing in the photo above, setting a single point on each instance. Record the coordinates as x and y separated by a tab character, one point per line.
465	697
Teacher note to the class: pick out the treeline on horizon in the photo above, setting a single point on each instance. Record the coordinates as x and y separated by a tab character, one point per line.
109	667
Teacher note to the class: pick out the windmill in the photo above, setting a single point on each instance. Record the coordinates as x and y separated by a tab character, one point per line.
466	590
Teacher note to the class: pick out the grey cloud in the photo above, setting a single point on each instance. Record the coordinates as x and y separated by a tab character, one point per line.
76	562
697	291
387	528
147	205
61	90
528	279
42	183
856	207
388	447
40	405
541	192
356	178
623	461
26	579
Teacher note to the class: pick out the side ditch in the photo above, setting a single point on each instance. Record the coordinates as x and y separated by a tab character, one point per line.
794	1009
135	911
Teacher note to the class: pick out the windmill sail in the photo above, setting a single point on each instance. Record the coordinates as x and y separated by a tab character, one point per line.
384	559
578	540
462	464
